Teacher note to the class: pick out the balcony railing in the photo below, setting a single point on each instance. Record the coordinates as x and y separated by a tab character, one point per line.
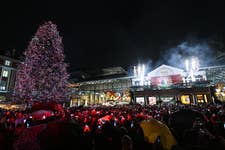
177	85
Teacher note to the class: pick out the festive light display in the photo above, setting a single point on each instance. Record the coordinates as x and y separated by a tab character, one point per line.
139	73
43	74
192	66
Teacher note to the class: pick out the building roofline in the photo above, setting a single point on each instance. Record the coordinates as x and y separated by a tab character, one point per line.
211	67
94	80
10	58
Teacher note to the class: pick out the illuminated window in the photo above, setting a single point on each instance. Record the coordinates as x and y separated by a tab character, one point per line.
140	100
3	85
7	63
5	73
151	100
2	88
185	99
200	99
205	97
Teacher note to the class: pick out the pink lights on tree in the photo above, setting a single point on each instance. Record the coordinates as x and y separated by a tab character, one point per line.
43	74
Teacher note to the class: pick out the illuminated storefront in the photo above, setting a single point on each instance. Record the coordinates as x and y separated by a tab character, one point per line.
220	92
168	99
185	99
88	98
108	89
140	100
151	100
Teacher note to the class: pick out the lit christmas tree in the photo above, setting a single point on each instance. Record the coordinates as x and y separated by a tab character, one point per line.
43	75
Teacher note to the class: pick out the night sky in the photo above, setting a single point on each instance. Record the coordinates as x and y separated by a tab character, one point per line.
111	33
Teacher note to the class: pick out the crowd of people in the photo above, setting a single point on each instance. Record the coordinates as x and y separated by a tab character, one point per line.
116	128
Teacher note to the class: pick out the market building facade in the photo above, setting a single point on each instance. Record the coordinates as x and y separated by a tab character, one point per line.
164	84
167	84
109	87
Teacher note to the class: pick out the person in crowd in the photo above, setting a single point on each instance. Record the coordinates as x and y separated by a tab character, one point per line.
127	143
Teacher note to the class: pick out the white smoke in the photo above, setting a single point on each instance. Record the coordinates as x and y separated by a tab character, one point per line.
176	56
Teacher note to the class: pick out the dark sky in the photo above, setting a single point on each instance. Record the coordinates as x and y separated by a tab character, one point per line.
110	33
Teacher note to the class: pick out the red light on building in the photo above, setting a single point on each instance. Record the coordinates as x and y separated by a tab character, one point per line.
166	80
